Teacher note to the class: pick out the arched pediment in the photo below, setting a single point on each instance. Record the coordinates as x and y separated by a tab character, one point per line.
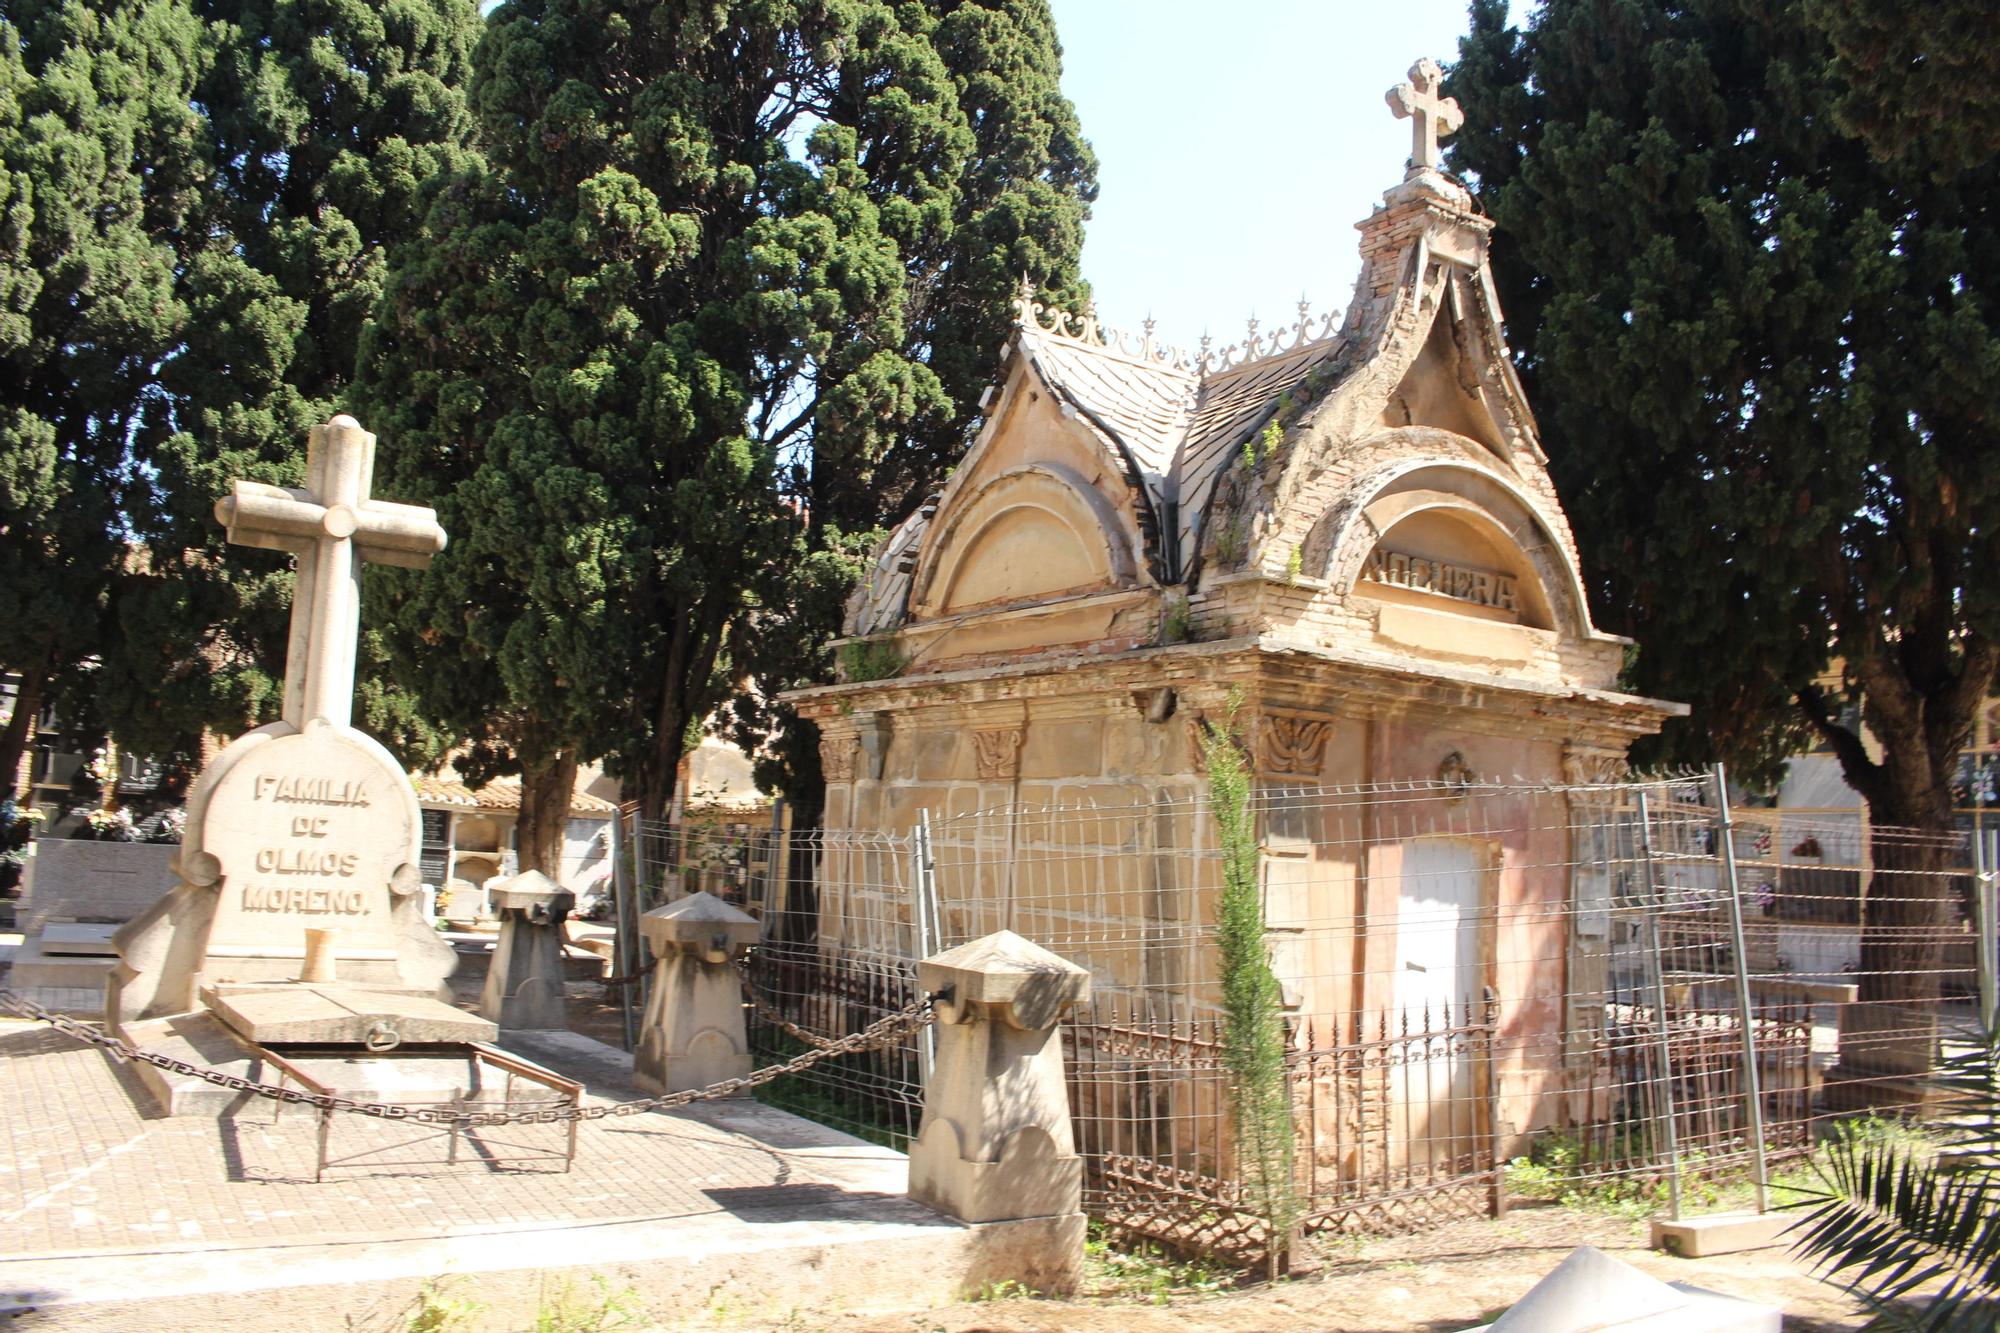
1031	534
1448	533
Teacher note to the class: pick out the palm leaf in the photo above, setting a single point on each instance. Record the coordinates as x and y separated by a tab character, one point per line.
1890	1221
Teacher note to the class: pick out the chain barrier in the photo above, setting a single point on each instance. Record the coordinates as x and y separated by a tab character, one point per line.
885	1031
763	1007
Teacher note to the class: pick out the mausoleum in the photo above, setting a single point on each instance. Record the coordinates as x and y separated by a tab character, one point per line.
1349	526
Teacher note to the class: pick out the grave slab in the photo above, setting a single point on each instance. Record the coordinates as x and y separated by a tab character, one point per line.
1724	1233
342	1015
91	940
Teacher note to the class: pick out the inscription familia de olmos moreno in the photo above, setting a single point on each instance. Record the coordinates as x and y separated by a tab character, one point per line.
310	869
1462	583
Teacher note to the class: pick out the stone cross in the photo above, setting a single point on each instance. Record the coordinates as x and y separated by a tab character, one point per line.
1430	116
332	525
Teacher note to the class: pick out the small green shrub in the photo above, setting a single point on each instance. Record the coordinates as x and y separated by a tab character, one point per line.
563	1313
1148	1273
1177	621
872	659
433	1311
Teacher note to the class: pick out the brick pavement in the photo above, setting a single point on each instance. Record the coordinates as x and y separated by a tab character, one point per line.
86	1170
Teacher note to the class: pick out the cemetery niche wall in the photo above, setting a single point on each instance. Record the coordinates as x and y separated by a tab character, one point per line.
1348	526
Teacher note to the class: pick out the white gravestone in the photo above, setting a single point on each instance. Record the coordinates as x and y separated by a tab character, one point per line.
306	823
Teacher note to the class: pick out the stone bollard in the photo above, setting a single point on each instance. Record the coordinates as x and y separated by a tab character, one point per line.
694	1033
995	1148
524	984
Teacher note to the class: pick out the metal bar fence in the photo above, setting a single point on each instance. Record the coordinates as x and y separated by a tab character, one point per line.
1478	975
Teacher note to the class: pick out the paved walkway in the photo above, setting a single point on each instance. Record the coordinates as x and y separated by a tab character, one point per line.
89	1171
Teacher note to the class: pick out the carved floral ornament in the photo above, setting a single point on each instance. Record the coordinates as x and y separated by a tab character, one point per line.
1288	745
1591	766
836	758
997	752
1294	745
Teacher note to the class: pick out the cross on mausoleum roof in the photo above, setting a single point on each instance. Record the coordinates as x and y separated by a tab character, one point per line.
332	525
1430	116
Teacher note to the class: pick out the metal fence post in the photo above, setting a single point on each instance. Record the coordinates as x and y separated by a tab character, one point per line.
1752	1091
926	937
1661	1038
624	957
1986	921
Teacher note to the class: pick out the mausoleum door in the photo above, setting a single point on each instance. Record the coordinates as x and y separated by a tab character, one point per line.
1436	1112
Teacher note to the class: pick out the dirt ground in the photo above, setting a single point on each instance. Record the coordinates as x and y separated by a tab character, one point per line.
1455	1277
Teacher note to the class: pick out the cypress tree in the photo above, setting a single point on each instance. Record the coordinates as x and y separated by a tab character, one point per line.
653	356
1766	361
100	169
319	125
1019	210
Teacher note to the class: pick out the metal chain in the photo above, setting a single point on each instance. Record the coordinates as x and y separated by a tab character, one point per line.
764	1008
769	1012
883	1032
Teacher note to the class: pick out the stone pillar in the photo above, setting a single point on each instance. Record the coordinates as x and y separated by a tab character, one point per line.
995	1148
524	985
693	1034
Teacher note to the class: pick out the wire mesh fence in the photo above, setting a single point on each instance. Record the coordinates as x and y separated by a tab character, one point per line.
1611	984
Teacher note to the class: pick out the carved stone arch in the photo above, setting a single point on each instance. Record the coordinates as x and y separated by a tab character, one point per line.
1079	544
1491	505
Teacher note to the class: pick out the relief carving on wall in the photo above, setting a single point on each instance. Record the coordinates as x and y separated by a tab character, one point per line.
836	758
1294	745
998	752
1590	766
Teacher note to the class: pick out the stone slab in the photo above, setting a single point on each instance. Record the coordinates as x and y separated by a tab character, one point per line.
33	967
1723	1233
197	1039
74	880
340	1015
91	940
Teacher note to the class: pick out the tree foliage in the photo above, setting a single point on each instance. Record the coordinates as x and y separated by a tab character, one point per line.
1766	364
100	172
711	248
1018	209
1921	78
320	123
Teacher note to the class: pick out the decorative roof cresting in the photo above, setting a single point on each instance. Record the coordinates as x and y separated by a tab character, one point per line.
1308	329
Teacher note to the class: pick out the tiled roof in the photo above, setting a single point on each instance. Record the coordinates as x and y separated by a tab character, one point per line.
501	794
1175	419
1178	416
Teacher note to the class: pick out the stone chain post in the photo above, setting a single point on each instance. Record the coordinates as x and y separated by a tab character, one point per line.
995	1148
693	1033
524	982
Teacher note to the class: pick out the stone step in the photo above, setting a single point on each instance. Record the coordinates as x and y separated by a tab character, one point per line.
809	1250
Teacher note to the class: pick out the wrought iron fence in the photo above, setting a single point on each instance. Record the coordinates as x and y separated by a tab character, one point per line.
1582	977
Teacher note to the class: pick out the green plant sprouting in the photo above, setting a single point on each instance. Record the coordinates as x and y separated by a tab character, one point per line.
1177	621
1253	1025
872	659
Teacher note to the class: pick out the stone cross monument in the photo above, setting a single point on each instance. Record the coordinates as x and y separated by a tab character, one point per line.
305	829
1430	115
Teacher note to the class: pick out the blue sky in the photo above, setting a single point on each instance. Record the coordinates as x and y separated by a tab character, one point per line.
1238	144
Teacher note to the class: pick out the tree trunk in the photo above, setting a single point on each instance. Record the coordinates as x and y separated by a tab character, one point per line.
547	785
19	732
1889	1037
